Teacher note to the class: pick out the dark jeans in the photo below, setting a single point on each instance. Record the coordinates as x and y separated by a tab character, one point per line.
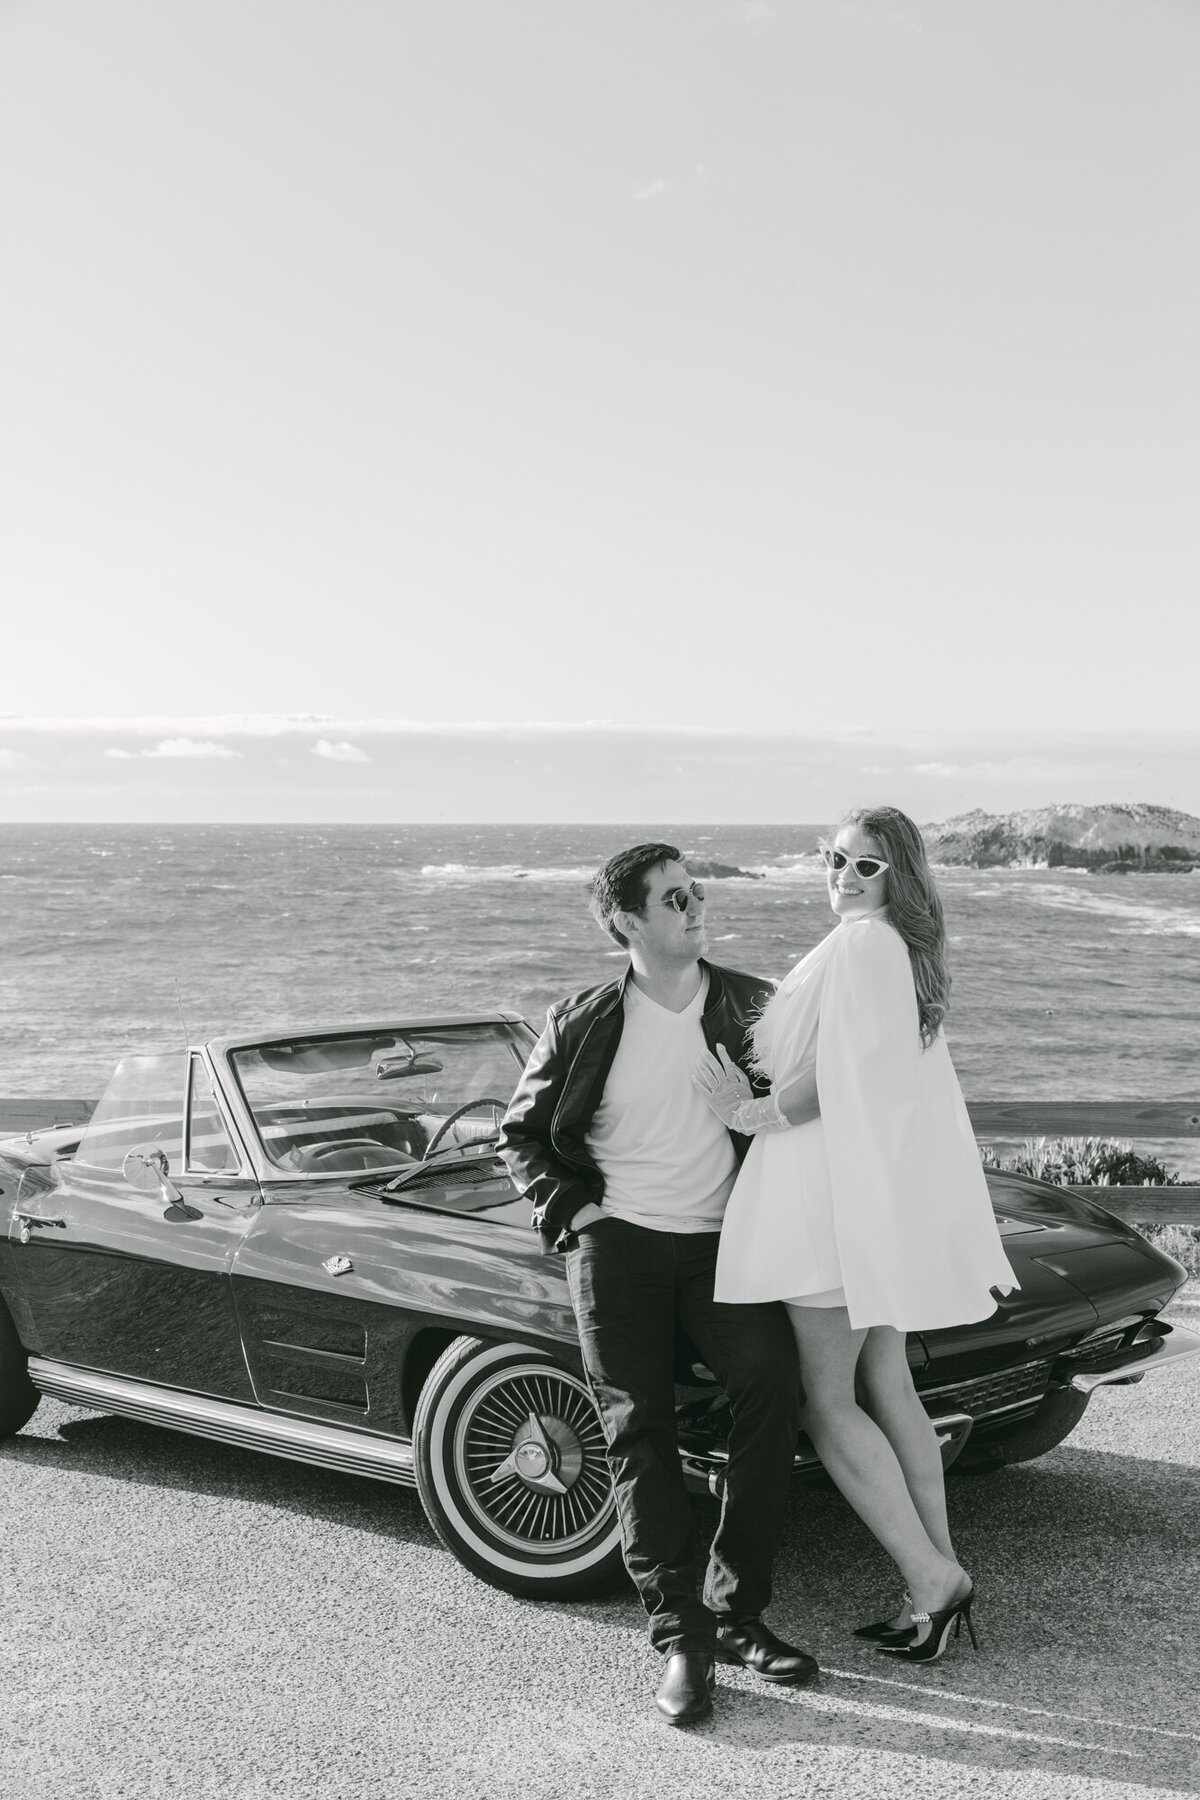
629	1286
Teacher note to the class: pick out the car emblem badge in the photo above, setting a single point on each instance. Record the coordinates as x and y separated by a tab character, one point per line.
337	1265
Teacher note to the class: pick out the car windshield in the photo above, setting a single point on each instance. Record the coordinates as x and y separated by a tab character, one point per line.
387	1099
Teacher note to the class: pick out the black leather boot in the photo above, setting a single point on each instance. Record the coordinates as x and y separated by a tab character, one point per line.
755	1646
685	1693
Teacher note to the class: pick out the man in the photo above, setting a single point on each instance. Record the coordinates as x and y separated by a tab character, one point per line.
629	1172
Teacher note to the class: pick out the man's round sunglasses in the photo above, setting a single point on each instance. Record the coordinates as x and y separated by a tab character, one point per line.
680	898
865	867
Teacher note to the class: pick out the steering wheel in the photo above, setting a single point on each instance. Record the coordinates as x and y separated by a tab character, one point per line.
453	1118
319	1156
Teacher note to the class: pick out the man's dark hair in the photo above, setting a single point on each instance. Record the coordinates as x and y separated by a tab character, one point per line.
620	886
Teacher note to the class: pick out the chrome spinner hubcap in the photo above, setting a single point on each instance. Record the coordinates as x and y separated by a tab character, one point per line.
531	1455
546	1455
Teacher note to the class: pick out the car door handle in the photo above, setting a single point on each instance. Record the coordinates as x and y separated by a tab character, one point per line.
30	1222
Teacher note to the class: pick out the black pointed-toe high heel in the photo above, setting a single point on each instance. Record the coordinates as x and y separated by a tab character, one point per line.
931	1646
884	1632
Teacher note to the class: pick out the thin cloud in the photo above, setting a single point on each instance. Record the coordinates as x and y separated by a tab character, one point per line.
180	749
579	772
949	769
334	726
273	725
648	190
190	749
1030	767
339	753
869	17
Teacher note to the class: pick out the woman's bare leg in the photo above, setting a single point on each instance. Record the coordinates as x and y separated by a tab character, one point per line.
891	1399
860	1459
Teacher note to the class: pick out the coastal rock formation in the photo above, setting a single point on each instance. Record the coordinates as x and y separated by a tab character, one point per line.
705	869
1113	839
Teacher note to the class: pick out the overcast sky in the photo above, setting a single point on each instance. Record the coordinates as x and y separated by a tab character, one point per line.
828	370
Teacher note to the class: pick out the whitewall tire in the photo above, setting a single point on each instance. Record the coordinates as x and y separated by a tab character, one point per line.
511	1470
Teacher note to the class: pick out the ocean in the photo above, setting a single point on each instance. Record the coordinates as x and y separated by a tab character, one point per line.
1066	985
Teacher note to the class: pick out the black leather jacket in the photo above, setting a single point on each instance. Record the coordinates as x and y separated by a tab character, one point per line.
545	1128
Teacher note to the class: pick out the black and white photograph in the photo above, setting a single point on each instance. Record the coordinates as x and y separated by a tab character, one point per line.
600	899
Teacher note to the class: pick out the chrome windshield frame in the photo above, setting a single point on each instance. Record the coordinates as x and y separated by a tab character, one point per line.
245	1170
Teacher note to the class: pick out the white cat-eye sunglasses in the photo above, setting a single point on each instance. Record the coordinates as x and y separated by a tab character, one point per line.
865	867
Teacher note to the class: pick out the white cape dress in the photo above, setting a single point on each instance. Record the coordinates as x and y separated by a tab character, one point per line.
884	1195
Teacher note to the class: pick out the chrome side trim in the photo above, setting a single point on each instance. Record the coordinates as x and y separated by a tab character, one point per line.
1030	1403
278	1434
1157	1355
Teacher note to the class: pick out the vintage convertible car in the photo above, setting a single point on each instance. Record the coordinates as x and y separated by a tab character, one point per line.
306	1244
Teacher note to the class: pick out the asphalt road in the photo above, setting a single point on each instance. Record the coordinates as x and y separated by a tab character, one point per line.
184	1619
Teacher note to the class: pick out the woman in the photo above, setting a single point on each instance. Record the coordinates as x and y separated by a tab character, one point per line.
870	1217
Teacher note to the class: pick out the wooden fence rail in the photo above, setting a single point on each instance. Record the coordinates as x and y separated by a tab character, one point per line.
994	1121
990	1118
34	1112
1003	1123
1084	1118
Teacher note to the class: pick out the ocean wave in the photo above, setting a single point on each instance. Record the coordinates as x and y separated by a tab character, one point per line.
806	871
799	871
500	872
1070	983
1138	916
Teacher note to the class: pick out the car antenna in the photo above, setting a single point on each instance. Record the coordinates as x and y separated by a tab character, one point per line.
187	1040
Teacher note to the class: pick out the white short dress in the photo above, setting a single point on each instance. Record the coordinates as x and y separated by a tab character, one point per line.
883	1197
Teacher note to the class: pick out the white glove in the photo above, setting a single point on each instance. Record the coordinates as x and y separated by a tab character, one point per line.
729	1094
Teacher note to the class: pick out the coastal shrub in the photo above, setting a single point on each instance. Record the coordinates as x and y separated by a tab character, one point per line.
1072	1161
1180	1241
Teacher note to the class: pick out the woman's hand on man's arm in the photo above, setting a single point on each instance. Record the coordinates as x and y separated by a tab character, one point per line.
728	1092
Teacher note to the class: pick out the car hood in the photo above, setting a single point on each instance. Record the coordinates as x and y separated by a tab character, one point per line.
1079	1269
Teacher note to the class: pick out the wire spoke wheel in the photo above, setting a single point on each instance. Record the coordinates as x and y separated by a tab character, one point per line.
512	1471
530	1453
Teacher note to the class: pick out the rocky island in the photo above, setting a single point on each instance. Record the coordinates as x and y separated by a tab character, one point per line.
705	869
1106	839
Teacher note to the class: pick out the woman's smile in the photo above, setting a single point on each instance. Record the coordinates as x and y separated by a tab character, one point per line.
850	896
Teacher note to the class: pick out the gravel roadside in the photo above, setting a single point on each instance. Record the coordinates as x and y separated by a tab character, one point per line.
183	1618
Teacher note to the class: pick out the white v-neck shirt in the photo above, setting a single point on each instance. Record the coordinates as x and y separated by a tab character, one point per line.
666	1158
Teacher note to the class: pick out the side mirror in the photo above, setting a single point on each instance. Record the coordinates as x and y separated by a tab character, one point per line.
146	1169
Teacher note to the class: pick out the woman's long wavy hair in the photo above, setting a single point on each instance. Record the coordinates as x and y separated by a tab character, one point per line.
914	908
